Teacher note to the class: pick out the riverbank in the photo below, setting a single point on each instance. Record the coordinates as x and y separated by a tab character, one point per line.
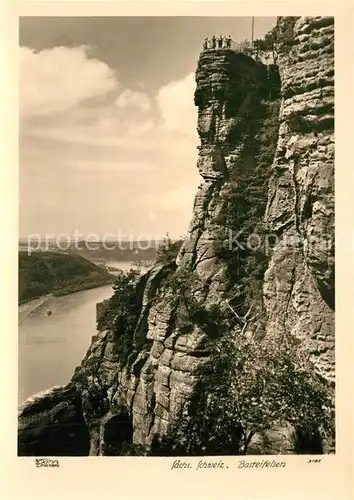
52	346
43	273
68	291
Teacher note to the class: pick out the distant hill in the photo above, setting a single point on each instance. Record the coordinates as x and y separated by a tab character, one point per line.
123	251
58	273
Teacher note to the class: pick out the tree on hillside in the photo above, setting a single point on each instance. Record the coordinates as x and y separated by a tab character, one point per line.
167	250
264	48
255	386
243	46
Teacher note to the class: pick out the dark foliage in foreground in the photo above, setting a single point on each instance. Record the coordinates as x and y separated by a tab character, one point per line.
254	387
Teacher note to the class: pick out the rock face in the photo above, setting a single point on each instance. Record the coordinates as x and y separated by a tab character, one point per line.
238	104
299	282
52	424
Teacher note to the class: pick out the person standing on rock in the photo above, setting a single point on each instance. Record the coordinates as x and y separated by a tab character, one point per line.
213	42
228	41
220	40
205	45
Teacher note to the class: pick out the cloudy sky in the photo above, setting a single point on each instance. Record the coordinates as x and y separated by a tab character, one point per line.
107	122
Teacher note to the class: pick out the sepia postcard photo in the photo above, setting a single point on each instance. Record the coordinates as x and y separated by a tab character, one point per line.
176	241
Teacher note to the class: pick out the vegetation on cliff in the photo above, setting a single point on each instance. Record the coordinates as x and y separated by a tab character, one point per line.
41	273
168	250
121	312
255	384
247	258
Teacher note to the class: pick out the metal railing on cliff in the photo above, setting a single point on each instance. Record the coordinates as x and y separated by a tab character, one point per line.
226	42
252	49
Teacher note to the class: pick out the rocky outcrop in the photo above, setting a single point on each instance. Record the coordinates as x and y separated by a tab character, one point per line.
169	356
51	423
134	398
299	282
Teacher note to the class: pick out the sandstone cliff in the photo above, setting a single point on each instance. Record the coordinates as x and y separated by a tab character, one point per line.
299	282
248	116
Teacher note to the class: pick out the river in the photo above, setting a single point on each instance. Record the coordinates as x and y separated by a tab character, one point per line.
50	347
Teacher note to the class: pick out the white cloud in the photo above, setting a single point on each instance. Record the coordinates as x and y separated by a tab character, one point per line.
59	79
176	103
131	99
54	80
117	144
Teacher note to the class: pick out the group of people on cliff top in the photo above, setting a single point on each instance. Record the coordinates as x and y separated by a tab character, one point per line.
222	42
